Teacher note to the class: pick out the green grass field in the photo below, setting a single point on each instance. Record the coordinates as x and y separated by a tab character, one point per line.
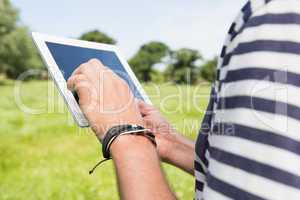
46	156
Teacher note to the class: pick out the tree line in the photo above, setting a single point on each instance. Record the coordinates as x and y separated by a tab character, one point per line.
155	61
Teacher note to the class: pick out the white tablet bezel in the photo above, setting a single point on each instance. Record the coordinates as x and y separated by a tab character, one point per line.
40	41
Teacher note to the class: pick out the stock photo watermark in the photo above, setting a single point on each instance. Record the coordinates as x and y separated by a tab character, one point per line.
182	99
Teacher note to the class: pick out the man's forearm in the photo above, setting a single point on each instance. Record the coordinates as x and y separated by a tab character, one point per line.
181	153
138	170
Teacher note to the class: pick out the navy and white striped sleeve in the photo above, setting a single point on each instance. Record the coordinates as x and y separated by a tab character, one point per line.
254	143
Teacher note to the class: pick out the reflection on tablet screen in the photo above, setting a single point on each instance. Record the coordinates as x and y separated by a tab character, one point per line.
68	58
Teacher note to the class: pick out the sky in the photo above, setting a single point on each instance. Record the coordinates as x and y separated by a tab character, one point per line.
196	24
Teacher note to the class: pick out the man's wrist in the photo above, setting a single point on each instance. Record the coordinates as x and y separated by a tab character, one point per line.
129	144
170	144
125	129
174	143
101	128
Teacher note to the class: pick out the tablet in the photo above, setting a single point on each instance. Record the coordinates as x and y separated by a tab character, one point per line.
62	56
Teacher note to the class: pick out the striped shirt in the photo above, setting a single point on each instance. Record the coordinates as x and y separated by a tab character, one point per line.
249	145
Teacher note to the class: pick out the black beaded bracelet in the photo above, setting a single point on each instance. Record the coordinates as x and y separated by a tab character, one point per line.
127	129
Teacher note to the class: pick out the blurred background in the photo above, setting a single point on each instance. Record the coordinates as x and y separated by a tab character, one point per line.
172	46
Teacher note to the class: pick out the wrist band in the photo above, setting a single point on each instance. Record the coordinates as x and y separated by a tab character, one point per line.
120	130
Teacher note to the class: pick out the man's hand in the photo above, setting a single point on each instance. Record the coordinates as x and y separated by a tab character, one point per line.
172	147
164	133
105	98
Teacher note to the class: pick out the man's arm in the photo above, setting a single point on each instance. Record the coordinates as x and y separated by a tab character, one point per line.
138	169
180	152
136	160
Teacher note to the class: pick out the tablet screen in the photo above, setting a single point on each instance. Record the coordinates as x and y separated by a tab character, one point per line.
68	58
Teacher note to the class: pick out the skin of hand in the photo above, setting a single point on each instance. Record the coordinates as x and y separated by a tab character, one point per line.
172	147
164	133
105	98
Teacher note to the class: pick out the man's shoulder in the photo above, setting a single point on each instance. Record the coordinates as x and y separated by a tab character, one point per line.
261	7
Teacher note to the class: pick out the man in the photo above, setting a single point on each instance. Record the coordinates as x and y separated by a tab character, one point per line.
249	145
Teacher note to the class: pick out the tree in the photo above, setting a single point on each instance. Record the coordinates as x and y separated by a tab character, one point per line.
208	70
8	20
144	60
19	53
8	17
184	68
97	36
